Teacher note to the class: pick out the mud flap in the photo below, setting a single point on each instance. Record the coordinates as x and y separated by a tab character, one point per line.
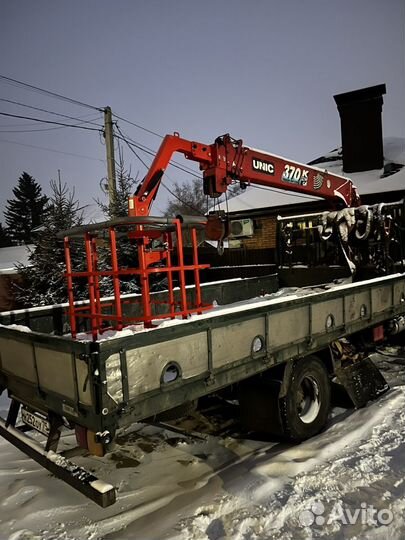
260	407
362	381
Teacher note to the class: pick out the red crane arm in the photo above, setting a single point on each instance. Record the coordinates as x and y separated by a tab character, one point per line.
227	160
140	204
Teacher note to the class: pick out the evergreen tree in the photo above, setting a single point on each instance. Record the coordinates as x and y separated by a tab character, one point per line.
5	240
43	278
26	211
125	188
127	250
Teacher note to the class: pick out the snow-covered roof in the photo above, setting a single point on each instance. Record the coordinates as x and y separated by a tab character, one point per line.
10	256
367	182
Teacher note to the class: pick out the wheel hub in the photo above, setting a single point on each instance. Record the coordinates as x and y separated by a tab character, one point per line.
308	400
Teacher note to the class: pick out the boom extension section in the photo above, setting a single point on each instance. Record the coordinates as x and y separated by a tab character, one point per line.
227	160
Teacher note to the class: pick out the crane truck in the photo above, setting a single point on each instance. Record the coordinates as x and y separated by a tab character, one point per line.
100	365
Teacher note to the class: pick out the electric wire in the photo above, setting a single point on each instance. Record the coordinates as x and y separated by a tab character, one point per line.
31	124
172	162
40	129
199	213
49	121
180	167
130	146
150	152
80	103
139	126
37	89
161	183
130	143
47	111
52	150
77	102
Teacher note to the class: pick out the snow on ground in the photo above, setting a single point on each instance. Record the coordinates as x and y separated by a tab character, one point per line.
181	488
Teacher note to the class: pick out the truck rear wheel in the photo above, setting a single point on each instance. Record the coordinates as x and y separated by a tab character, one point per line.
294	409
304	409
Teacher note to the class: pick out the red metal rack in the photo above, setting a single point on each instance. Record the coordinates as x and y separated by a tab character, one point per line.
158	241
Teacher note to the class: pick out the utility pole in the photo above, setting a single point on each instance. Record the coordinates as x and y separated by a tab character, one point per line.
109	146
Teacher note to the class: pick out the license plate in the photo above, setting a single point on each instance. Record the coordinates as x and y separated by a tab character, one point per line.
40	424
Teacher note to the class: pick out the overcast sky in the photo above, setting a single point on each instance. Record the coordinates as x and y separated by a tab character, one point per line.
264	71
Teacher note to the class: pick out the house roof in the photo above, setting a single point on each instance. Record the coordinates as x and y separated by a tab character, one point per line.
368	182
10	256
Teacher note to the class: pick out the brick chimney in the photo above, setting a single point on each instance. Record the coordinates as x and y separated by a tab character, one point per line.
360	119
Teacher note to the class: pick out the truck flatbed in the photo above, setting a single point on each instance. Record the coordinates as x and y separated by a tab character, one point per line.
112	382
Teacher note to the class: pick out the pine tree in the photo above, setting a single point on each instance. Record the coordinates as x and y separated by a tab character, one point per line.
43	278
5	240
127	250
125	188
26	211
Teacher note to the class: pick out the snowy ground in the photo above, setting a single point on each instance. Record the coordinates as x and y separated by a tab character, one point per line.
171	487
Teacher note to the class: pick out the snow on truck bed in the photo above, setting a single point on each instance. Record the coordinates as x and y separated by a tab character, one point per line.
288	293
272	299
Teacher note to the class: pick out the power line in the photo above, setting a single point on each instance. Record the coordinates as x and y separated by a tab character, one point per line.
47	111
36	130
49	93
139	126
161	183
130	147
172	162
17	125
152	152
49	121
51	150
148	150
81	103
301	195
177	166
182	202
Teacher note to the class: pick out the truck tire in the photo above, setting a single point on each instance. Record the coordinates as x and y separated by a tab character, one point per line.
304	409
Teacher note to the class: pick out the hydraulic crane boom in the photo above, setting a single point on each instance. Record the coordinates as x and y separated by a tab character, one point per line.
227	160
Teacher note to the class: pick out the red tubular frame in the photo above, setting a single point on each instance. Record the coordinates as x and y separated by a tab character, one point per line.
69	280
115	277
90	279
96	283
111	315
196	272
183	292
